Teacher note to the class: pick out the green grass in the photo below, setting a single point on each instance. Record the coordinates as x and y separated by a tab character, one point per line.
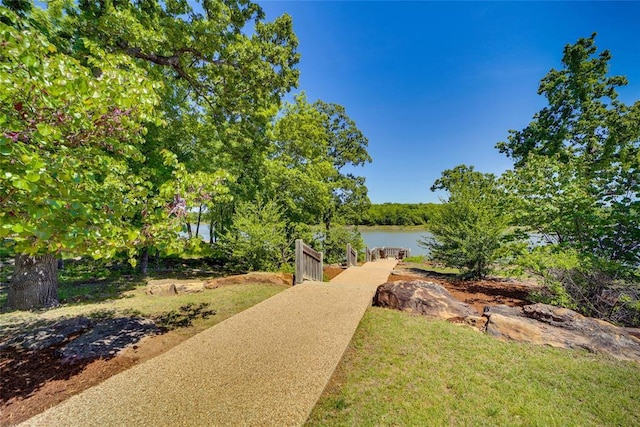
225	301
407	370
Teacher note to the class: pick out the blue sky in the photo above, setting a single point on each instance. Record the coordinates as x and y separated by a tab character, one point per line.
437	84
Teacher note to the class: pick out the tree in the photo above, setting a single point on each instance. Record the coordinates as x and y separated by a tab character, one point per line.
346	147
223	69
334	243
470	228
66	185
578	160
313	143
576	178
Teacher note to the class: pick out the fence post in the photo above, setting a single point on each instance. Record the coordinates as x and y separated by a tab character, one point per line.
299	270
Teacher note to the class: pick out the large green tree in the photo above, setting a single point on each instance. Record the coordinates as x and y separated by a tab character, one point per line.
219	73
314	143
576	177
223	69
66	145
577	182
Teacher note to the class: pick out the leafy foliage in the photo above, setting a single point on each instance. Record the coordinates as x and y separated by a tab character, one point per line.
470	227
65	185
313	142
399	214
257	237
334	243
576	181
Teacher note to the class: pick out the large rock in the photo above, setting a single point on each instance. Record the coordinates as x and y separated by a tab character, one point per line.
560	327
166	287
426	298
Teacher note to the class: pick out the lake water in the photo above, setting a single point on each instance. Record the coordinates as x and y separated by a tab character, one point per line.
390	238
396	239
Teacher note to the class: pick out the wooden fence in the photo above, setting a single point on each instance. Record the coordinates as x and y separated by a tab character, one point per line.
308	263
352	256
384	252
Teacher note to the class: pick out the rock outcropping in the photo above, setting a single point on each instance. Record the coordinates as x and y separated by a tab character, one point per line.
560	327
535	323
166	287
426	298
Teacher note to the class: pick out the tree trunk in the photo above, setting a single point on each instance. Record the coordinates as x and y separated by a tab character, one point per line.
144	261
189	232
199	218
34	283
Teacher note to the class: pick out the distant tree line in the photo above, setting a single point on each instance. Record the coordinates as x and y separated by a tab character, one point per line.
399	214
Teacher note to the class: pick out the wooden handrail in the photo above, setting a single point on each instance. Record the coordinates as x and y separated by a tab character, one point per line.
352	256
385	252
308	263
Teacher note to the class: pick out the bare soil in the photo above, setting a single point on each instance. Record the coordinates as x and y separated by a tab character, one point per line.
477	293
32	381
35	380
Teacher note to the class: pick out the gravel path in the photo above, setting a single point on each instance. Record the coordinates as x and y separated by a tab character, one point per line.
267	365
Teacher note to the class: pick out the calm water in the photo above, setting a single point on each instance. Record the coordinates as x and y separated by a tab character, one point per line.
396	239
391	238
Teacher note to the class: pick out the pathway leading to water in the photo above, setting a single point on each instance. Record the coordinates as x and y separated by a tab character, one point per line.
267	365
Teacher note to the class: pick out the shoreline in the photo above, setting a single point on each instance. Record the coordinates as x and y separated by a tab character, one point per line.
390	227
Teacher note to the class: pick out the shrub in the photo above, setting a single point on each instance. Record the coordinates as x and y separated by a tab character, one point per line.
470	228
334	244
257	238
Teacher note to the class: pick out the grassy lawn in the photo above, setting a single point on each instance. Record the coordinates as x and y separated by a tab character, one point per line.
225	301
407	370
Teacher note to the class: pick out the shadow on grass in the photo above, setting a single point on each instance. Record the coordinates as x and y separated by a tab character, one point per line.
85	281
32	353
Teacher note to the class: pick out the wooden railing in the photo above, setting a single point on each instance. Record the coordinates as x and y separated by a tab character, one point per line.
384	252
352	256
308	263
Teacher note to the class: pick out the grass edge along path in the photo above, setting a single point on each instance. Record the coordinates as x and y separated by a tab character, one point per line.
402	369
267	365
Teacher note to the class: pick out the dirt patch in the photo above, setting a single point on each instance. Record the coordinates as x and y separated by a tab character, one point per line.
478	293
254	277
331	271
40	380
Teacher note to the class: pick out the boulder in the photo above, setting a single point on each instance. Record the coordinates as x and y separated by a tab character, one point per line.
560	327
476	322
420	297
166	287
254	277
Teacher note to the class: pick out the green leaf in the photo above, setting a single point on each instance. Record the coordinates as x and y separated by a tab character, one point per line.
44	129
33	177
20	184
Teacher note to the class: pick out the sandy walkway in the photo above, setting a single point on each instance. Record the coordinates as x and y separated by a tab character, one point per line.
267	365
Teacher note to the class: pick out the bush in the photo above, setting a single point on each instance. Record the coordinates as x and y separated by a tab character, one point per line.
257	238
334	244
470	229
592	286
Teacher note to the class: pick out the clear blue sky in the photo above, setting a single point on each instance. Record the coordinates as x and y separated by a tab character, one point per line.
437	84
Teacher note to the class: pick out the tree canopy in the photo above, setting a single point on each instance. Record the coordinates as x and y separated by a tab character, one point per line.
121	119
